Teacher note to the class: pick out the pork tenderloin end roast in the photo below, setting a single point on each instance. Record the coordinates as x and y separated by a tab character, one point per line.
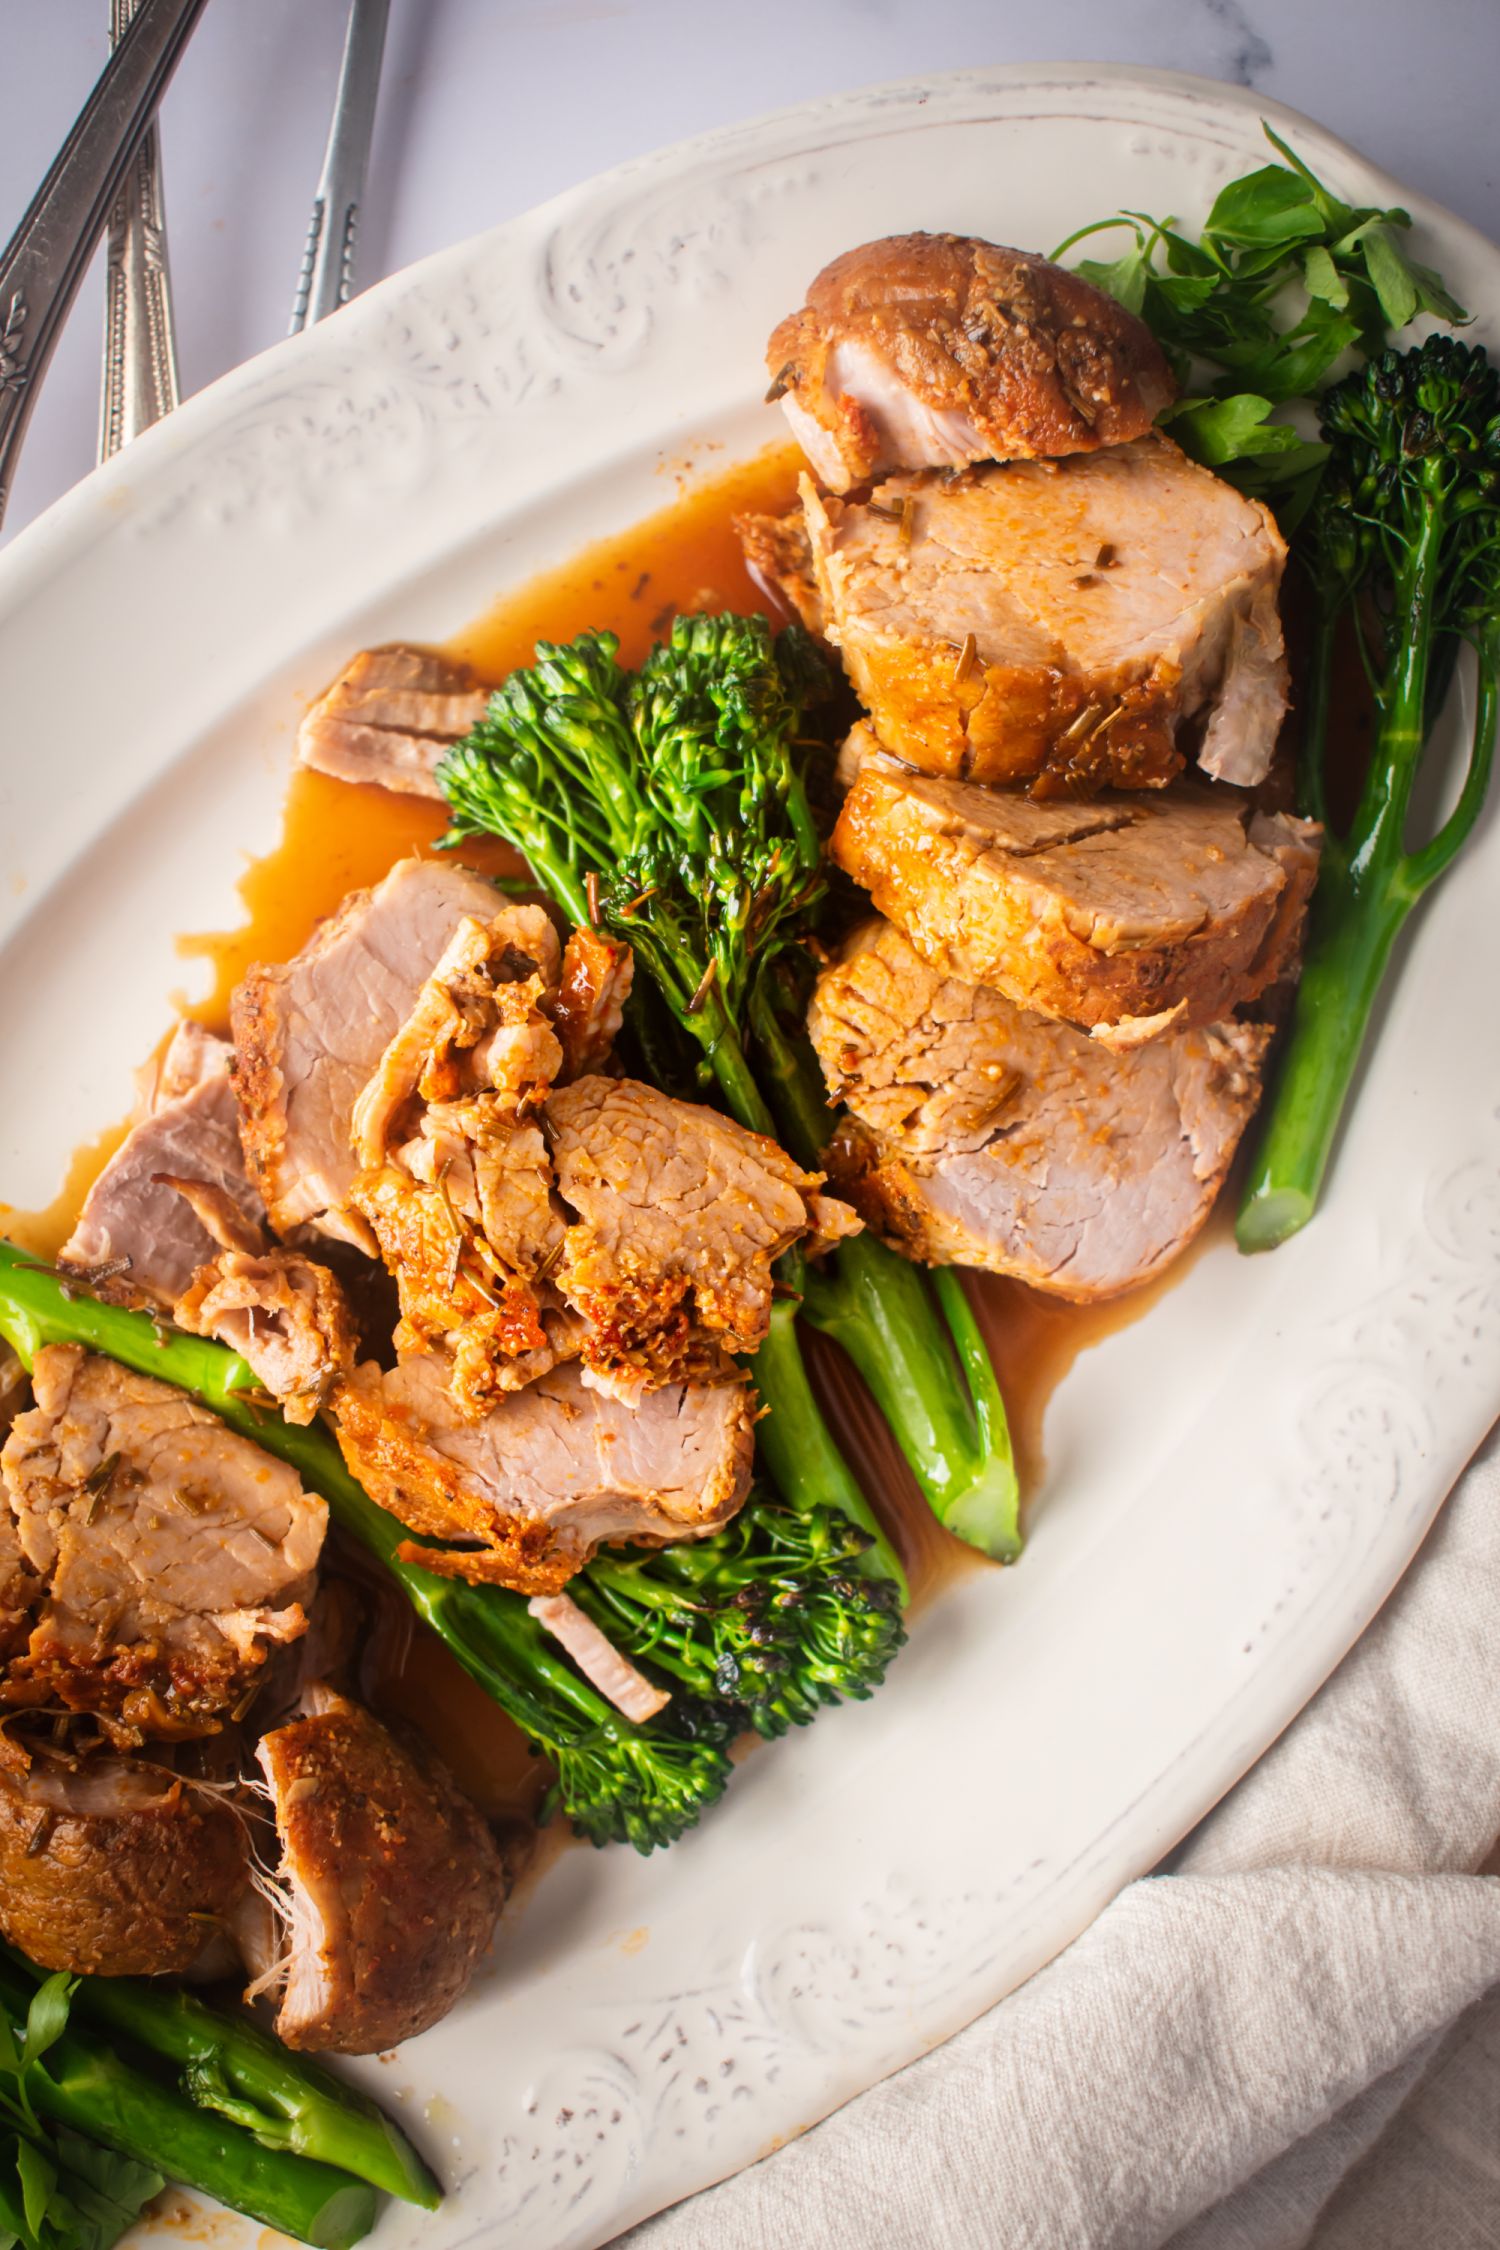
1076	625
934	350
987	1137
388	1884
1121	914
120	1869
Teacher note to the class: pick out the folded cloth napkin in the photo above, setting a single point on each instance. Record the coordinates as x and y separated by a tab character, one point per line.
1282	2041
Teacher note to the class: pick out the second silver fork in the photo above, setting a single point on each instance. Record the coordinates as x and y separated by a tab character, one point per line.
140	347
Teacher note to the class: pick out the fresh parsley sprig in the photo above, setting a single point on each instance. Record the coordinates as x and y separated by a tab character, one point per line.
1255	312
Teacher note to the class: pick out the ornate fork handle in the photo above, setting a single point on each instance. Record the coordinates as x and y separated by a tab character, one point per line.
140	349
47	256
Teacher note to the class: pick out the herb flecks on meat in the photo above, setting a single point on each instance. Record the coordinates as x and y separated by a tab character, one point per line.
672	801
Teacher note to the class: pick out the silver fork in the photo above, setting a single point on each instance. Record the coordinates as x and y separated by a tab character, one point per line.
327	277
45	260
140	347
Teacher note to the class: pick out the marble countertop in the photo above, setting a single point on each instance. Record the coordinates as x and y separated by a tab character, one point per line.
487	108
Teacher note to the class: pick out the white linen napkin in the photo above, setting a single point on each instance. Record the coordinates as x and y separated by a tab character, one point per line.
1283	2041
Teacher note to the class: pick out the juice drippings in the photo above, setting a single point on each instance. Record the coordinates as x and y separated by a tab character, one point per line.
338	836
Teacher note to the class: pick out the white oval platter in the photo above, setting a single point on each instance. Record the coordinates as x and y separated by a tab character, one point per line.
1234	1482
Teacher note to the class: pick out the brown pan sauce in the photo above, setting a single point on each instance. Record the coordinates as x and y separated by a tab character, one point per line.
339	836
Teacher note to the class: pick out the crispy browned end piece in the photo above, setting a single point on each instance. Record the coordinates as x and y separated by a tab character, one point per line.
284	1314
932	350
171	1554
778	556
121	1870
550	1472
391	1880
388	718
1078	624
988	1137
1100	914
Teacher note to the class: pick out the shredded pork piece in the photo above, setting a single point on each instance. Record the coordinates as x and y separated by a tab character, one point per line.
281	1312
597	1658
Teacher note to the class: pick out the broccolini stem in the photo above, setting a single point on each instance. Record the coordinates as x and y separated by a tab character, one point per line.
81	2082
1312	794
229	2065
876	1305
797	1447
1367	887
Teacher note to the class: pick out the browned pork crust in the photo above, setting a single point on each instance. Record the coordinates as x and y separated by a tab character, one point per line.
983	1136
120	1870
1180	904
392	1881
930	350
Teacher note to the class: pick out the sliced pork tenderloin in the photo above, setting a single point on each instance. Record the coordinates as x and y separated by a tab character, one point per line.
284	1314
933	350
987	1137
159	1208
310	1032
388	718
454	1181
173	1553
1122	914
677	1215
118	1868
524	1496
388	1881
1075	624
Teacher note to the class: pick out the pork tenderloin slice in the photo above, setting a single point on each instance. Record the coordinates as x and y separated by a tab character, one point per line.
992	1138
120	1869
933	350
389	1882
310	1032
678	1214
388	718
173	1552
1074	624
1181	904
143	1207
550	1473
284	1314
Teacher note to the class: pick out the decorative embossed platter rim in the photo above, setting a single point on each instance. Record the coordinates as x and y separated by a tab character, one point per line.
1234	1483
